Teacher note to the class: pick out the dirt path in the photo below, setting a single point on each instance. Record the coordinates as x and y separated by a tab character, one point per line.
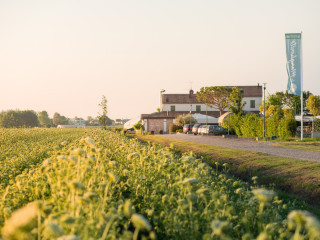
248	145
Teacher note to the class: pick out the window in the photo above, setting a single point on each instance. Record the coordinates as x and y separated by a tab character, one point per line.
173	108
252	103
198	108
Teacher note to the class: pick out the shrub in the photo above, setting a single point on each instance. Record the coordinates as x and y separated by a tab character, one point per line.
252	125
173	128
179	130
185	119
287	127
161	131
316	125
138	126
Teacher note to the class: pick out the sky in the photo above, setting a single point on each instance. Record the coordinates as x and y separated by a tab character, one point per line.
63	55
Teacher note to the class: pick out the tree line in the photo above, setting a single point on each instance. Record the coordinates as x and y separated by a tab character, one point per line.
280	110
277	103
30	118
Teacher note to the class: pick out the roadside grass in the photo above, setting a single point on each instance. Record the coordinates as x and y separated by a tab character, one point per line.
290	177
308	146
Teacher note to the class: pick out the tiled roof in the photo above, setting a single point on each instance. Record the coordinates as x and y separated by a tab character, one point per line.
172	115
248	91
168	114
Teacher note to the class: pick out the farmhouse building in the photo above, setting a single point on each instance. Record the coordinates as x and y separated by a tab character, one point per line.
173	105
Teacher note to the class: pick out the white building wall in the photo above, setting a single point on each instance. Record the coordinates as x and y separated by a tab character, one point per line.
247	107
187	107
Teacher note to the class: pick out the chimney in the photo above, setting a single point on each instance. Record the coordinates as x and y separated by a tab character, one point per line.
190	93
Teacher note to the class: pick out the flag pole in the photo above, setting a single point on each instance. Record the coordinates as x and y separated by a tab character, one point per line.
301	88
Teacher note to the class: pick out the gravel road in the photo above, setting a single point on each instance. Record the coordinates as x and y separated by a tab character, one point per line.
248	145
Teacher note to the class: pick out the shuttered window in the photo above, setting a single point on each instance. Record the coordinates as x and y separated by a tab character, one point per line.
252	103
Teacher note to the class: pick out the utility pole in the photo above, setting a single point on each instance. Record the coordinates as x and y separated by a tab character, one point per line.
190	112
264	110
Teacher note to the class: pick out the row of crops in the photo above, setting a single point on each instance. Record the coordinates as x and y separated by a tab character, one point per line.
24	148
106	186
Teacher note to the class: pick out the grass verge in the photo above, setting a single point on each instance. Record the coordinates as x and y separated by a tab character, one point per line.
307	146
293	177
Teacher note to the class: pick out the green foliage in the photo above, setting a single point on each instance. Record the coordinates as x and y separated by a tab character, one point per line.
252	125
103	118
287	127
59	119
235	103
185	119
214	96
106	186
284	100
18	119
138	126
316	125
44	119
173	128
235	123
313	104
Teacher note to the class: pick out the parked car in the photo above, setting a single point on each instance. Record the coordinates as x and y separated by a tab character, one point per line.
196	127
187	128
202	129
216	130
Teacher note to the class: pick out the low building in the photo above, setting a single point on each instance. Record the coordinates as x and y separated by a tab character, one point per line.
158	121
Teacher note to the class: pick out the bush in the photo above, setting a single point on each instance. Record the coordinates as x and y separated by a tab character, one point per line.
138	126
287	127
179	130
173	128
183	119
316	125
252	125
160	131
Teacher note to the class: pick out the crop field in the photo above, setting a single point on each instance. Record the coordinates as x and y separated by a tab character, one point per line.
95	184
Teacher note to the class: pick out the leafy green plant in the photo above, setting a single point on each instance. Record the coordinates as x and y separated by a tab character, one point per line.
173	128
107	186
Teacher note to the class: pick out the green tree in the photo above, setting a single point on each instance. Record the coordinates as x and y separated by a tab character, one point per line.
214	96
103	118
44	119
313	104
185	119
18	119
285	100
235	103
59	119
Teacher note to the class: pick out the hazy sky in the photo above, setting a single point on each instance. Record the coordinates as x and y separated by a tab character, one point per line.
62	56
